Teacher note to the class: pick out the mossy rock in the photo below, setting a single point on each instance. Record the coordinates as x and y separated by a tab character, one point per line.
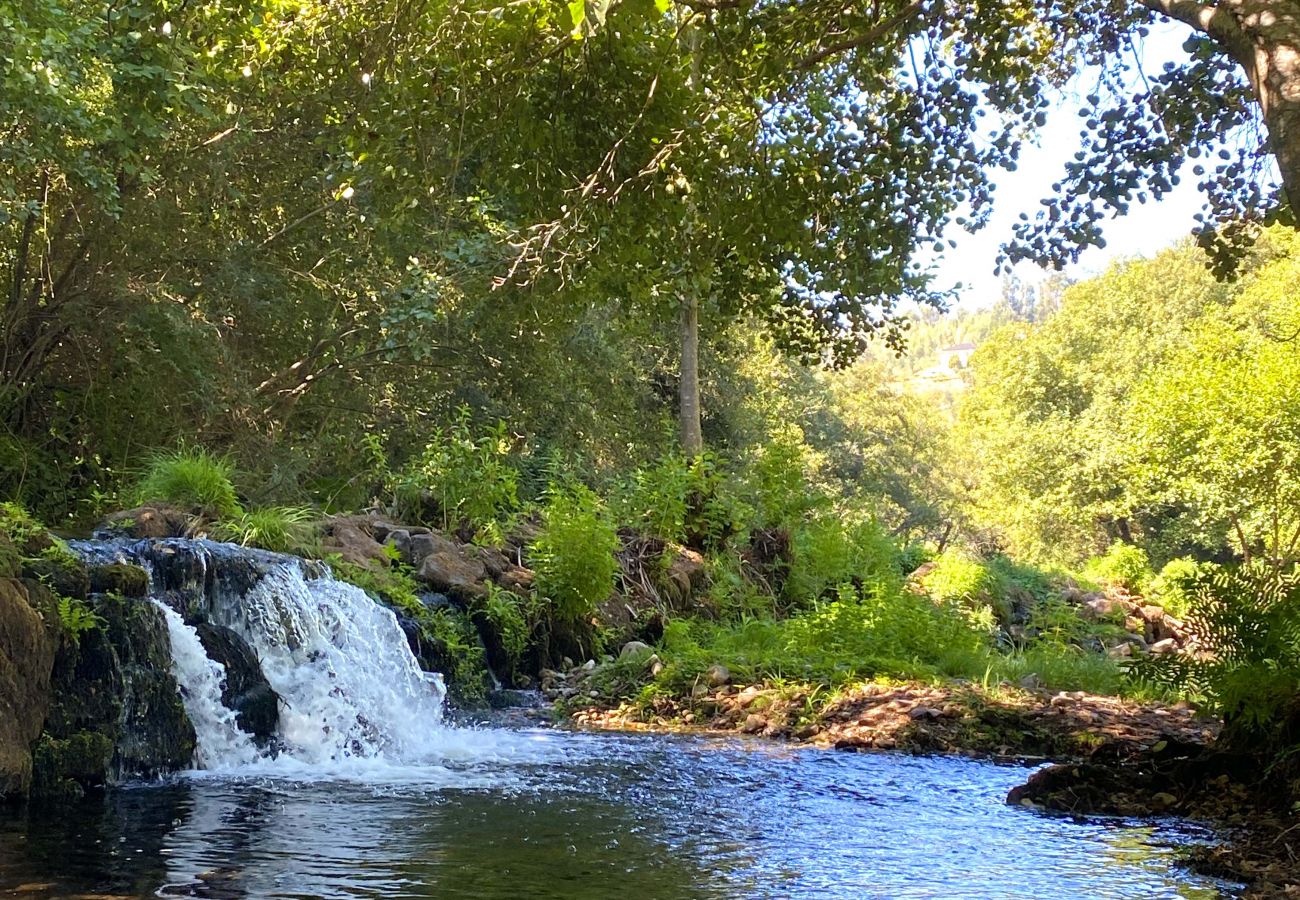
66	768
62	572
10	560
119	578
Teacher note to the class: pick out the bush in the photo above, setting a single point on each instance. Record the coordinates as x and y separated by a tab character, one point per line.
510	618
830	550
283	529
191	478
1248	623
1123	565
574	554
1176	584
461	482
687	502
860	633
778	482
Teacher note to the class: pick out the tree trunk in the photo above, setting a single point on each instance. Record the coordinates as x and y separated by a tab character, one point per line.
1273	68
688	383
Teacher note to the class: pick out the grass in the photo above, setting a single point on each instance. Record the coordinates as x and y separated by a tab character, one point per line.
283	529
191	478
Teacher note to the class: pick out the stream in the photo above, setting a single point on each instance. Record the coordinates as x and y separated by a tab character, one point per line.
554	814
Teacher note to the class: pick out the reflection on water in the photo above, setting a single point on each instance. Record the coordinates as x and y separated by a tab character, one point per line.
635	817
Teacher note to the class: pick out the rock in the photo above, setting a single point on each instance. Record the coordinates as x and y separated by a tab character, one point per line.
717	675
119	578
747	696
807	731
397	538
922	713
685	572
1161	648
28	643
1097	607
517	579
155	520
247	692
65	574
494	561
354	544
754	723
698	690
1061	699
655	665
445	566
115	710
1121	651
1031	682
633	648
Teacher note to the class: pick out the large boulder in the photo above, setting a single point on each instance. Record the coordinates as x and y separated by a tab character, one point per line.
29	639
155	520
354	541
116	711
246	691
449	567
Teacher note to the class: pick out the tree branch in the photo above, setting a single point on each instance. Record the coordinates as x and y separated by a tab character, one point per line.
1211	20
875	33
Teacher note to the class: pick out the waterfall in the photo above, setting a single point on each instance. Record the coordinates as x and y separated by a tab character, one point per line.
349	687
348	682
221	743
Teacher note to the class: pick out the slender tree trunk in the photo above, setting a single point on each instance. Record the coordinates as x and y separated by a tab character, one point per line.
688	382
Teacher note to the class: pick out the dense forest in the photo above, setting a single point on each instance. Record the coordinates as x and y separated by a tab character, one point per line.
592	339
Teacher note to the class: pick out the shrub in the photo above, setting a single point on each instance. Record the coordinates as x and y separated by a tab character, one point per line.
830	550
192	478
1123	565
859	633
687	502
1175	586
574	553
283	529
466	479
1248	623
778	482
509	615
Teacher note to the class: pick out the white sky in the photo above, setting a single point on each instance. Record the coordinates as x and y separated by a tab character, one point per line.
1145	230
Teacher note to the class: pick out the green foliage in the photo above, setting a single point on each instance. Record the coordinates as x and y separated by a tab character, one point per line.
461	480
192	478
574	554
283	529
26	534
1123	565
1174	588
856	634
510	616
1247	622
690	502
837	548
76	618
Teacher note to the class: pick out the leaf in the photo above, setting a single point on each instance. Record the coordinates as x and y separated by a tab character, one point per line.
577	12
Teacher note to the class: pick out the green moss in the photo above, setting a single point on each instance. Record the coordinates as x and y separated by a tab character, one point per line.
119	578
65	768
61	571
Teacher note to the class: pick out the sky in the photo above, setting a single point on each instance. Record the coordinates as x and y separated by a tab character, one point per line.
1145	230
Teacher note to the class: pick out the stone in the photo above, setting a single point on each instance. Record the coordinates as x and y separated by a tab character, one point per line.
633	648
1164	647
655	664
1031	682
699	690
354	544
517	579
155	521
923	713
747	696
445	566
684	574
1097	607
247	692
754	723
28	643
119	578
399	539
717	675
1121	651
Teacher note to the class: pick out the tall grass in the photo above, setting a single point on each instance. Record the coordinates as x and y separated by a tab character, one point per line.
192	478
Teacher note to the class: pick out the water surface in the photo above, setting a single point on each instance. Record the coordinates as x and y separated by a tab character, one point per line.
547	814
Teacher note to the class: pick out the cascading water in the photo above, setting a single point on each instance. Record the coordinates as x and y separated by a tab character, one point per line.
349	687
220	742
340	663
